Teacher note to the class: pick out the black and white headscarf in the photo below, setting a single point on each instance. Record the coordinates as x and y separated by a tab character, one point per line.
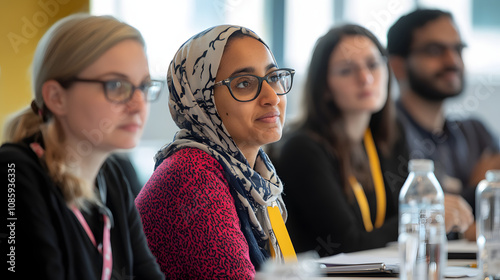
191	78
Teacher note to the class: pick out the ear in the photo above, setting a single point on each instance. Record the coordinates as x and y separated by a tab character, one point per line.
398	66
54	97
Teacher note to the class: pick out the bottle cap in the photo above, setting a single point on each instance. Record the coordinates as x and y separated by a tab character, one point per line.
493	175
422	165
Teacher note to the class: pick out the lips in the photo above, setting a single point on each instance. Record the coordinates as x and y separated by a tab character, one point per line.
131	127
449	75
269	117
366	93
449	72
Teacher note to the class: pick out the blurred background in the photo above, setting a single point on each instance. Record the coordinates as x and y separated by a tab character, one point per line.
290	27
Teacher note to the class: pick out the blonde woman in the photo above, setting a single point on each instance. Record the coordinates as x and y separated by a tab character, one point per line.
74	213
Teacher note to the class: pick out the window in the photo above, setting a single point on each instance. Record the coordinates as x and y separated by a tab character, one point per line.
291	28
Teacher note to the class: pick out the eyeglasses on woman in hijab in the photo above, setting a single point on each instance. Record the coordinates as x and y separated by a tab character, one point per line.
247	87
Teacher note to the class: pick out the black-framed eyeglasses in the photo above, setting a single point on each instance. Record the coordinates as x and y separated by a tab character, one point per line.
247	87
121	91
438	49
351	69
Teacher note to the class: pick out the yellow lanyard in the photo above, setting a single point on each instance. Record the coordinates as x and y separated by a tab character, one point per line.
281	234
378	181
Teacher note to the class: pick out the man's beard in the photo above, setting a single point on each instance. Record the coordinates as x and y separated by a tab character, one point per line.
424	88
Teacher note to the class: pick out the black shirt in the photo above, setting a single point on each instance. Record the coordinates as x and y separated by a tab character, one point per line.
50	242
455	151
320	216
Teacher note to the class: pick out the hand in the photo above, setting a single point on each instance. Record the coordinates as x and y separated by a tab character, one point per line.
457	213
470	233
486	162
451	184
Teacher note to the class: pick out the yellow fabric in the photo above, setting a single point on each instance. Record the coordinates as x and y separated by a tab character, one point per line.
378	182
281	234
273	254
362	202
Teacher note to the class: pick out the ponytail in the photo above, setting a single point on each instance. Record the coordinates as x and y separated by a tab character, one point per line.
66	49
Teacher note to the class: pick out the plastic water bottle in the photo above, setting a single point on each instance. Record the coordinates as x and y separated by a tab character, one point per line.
422	237
488	225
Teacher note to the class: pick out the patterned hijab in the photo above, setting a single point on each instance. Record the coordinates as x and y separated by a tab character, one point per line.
191	78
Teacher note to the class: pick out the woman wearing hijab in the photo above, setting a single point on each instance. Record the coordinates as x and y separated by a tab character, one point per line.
213	204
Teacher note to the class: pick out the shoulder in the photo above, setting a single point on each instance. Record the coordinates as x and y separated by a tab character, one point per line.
470	125
473	129
16	151
189	179
301	139
303	150
20	156
305	146
477	134
183	172
34	187
189	160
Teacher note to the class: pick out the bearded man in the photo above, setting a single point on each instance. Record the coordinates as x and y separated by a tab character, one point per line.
425	54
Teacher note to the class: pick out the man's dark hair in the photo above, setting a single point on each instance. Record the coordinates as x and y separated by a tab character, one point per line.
400	35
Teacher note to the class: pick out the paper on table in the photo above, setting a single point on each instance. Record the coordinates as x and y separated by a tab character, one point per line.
346	263
460	272
346	259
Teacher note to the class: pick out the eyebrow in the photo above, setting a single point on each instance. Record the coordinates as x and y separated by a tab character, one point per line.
366	58
251	69
440	43
121	75
113	74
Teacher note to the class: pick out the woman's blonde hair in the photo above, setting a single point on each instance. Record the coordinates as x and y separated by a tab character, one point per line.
67	48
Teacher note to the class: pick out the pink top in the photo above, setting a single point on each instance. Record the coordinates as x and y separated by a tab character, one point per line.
190	219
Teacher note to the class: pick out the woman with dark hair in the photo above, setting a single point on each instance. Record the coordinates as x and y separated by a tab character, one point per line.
212	208
341	164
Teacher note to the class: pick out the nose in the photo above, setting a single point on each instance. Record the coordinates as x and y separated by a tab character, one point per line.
365	75
267	95
137	102
452	57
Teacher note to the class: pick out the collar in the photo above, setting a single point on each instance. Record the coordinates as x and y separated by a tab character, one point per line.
438	137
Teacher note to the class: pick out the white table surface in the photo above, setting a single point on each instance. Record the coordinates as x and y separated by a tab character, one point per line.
461	246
